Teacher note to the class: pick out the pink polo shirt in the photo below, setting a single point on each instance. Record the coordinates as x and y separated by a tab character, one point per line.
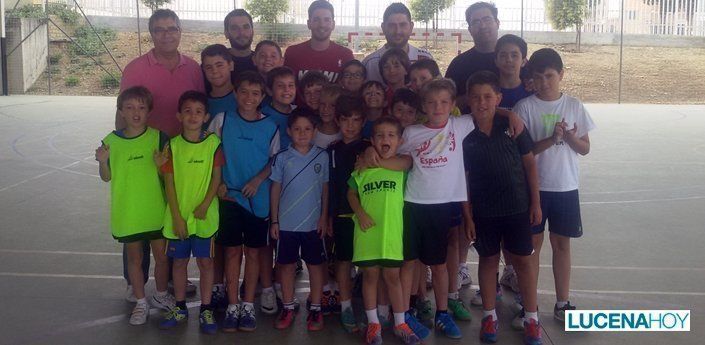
166	87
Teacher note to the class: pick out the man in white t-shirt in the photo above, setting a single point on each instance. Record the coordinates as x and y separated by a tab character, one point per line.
559	125
397	28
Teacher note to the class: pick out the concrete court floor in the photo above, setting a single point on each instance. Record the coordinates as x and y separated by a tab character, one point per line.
643	205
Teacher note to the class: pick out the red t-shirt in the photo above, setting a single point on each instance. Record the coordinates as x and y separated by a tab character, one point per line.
219	161
301	58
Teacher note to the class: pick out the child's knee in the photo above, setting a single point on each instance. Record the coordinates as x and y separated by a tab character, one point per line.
205	264
560	243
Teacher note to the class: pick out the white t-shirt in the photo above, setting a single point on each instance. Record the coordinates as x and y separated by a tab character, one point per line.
322	140
438	173
371	62
558	165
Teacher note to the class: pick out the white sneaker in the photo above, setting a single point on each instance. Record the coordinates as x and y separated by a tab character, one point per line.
518	320
130	294
139	314
166	302
268	302
464	275
510	280
477	299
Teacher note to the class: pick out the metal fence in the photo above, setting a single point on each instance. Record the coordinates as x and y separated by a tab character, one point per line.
650	17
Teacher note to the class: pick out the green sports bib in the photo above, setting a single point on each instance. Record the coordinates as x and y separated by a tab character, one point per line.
381	194
193	168
138	200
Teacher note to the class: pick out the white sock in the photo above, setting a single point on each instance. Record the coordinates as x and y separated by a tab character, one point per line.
248	304
561	304
453	295
161	293
142	300
372	316
269	289
232	307
492	312
398	319
383	311
531	315
346	304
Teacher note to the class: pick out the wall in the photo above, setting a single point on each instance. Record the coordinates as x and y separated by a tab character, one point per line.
29	60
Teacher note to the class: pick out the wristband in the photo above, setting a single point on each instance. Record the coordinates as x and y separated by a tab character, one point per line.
272	223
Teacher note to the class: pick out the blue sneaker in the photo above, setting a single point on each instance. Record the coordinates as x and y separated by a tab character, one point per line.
248	320
219	300
173	317
232	319
420	330
207	322
445	324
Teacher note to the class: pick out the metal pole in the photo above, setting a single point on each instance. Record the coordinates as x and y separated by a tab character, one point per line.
3	49
46	12
621	46
521	33
139	30
357	25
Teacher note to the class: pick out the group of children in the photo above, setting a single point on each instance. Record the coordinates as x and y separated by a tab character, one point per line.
390	172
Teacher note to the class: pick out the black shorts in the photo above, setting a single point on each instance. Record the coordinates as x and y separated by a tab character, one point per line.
562	210
308	243
145	236
238	226
456	209
343	237
426	228
513	232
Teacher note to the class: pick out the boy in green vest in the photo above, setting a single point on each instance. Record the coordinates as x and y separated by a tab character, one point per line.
191	178
376	195
137	207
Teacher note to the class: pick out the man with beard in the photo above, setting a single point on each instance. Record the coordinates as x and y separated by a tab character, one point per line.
397	28
318	53
239	30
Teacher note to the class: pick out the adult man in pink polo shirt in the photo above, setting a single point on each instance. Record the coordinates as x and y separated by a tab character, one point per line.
163	71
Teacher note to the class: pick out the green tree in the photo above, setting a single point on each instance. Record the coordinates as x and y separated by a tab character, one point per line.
426	11
267	11
566	14
155	4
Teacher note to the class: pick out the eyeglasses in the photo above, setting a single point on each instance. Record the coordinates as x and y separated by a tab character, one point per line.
169	30
356	75
487	20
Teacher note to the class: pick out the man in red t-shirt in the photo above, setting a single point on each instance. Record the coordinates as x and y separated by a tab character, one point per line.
318	53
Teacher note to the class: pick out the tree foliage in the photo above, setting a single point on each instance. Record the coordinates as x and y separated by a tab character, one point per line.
426	11
267	11
566	14
155	4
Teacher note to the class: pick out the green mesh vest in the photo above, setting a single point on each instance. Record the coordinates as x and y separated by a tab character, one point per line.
193	168
138	200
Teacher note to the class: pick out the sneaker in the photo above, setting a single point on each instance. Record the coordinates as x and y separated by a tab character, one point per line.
285	319
406	335
334	302
299	267
314	321
374	334
518	320
386	322
325	302
488	330
190	287
445	324
457	307
424	310
232	319
347	320
559	313
219	300
248	319
518	303
268	301
532	332
464	275
207	322
477	299
130	294
165	302
420	330
509	279
280	303
173	317
139	314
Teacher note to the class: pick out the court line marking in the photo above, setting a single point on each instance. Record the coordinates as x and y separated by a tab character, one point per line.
643	190
35	161
640	201
586	267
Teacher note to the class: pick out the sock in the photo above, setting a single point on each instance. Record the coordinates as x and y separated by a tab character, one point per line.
205	307
531	315
492	313
248	304
268	290
181	304
289	306
232	307
383	311
398	319
142	301
561	304
509	269
346	304
440	312
315	307
161	293
453	295
372	316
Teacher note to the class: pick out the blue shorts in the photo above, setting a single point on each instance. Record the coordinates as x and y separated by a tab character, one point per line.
562	210
312	248
192	246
